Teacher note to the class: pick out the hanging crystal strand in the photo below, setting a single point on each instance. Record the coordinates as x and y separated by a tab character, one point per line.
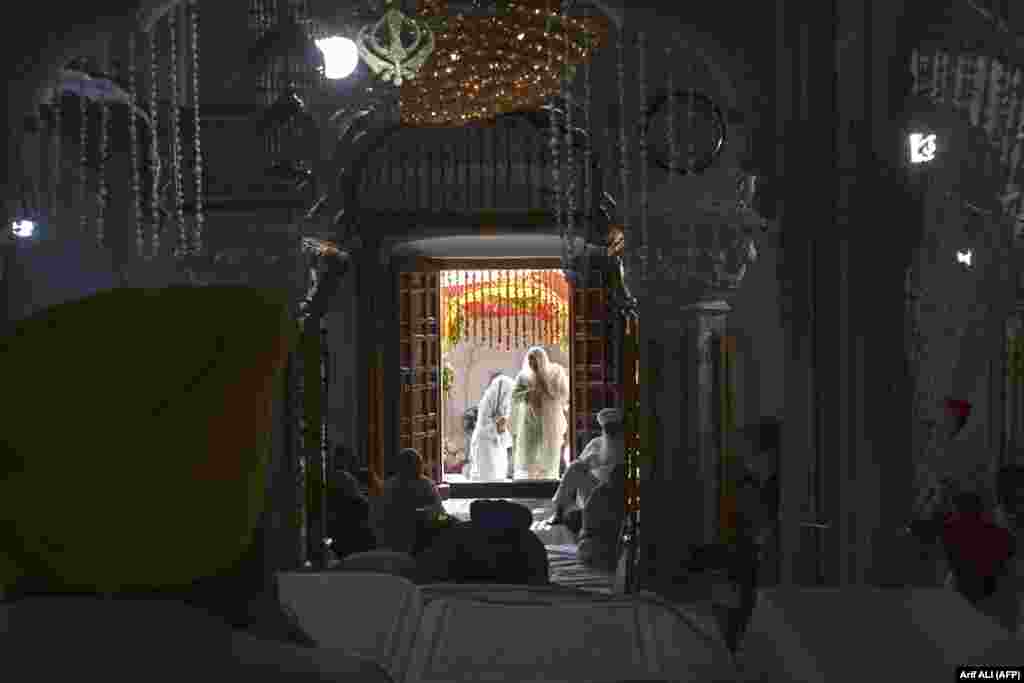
200	218
493	307
948	76
670	134
568	230
980	82
641	67
102	192
628	245
175	113
464	277
1005	112
915	72
1001	107
83	158
691	153
923	74
154	148
472	299
556	181
939	77
57	170
518	310
133	142
1013	135
538	305
588	162
508	310
1012	113
991	102
962	71
552	310
544	308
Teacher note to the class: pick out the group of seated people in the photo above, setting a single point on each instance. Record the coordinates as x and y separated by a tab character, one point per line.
497	543
495	546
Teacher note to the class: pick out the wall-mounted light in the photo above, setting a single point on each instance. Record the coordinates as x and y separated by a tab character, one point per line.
341	56
922	147
965	257
23	228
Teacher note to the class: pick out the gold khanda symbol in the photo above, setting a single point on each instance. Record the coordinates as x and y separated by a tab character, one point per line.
392	60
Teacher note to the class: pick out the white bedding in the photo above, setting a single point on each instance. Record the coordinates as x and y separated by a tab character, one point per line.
460	632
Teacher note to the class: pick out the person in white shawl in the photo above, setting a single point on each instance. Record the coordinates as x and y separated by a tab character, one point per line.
592	468
539	422
491	437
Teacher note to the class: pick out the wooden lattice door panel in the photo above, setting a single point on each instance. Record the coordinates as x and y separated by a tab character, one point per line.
593	381
420	361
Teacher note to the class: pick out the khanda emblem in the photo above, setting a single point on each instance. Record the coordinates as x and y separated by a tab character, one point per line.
391	59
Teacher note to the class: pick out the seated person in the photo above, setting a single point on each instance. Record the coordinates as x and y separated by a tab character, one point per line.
120	574
496	546
979	553
589	470
603	515
348	516
406	498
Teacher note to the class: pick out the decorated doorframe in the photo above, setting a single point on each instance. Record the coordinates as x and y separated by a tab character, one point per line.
506	304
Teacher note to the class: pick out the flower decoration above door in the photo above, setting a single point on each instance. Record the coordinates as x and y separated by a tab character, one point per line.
511	309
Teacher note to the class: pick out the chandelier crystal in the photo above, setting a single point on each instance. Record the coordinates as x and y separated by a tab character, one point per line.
484	66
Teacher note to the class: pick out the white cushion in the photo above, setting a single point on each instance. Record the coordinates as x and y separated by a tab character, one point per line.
65	639
863	633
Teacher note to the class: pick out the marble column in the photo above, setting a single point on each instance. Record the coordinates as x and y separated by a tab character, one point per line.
683	318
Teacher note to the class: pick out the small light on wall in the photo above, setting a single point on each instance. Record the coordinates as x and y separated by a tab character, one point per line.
340	56
23	228
922	147
965	257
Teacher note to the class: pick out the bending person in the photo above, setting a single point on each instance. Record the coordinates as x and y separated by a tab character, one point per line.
491	437
538	416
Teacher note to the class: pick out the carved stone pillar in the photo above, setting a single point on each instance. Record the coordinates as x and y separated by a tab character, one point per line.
684	304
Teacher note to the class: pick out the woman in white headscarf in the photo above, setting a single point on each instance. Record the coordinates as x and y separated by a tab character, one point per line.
491	437
539	423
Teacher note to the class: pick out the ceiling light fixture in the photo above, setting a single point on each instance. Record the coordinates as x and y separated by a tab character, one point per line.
341	56
23	228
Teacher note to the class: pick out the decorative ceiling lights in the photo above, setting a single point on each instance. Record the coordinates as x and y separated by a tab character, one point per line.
483	66
384	48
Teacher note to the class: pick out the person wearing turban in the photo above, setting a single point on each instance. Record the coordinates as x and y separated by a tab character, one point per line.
588	471
133	467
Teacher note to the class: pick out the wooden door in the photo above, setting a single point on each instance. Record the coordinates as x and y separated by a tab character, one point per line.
419	407
594	375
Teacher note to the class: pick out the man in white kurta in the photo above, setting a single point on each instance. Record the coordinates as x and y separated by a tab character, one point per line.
591	469
491	436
